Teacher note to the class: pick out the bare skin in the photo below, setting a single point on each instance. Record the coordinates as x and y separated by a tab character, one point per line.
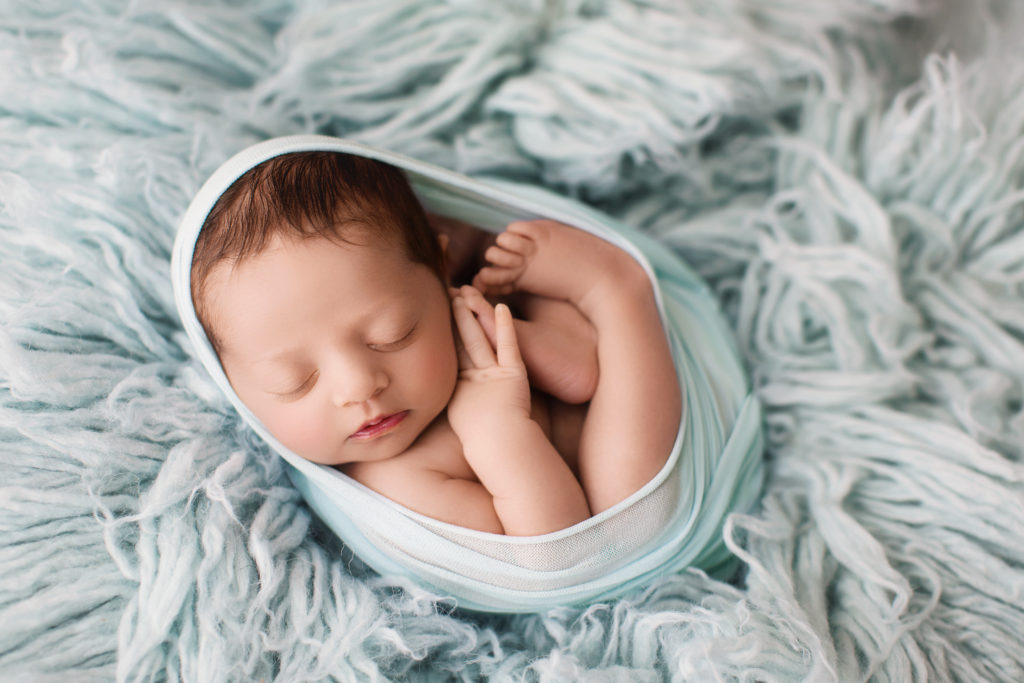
612	445
558	344
633	415
458	471
346	353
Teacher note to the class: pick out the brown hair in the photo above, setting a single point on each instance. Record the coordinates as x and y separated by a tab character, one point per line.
305	195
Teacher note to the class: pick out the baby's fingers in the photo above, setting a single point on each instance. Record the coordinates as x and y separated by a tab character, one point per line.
507	342
482	309
478	349
460	352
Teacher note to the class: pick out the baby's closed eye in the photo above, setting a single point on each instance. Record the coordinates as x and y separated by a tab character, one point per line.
402	340
299	390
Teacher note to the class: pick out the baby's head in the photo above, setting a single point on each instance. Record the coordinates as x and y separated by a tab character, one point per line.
321	286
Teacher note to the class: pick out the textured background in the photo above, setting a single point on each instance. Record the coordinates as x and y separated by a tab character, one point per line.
848	176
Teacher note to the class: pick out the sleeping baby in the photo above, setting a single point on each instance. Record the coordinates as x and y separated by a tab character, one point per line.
519	399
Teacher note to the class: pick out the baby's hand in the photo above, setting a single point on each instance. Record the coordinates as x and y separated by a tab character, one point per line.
492	384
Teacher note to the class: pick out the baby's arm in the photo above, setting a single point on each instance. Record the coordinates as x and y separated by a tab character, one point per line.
633	416
533	489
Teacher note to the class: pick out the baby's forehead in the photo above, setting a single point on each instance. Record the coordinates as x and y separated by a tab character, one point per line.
358	241
359	267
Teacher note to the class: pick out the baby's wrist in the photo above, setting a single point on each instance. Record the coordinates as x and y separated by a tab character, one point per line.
483	428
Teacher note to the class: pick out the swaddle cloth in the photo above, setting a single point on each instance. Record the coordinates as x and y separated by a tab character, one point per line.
673	522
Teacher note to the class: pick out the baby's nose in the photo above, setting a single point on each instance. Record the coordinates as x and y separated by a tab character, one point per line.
359	385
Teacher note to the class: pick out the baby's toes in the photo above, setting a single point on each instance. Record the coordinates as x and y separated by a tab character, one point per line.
503	258
517	239
532	231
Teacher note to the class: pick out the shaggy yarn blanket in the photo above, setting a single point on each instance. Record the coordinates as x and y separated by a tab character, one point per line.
848	175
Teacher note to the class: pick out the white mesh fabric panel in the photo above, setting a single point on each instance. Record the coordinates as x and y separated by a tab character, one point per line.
588	552
581	556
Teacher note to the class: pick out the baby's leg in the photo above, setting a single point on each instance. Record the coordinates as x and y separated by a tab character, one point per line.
558	345
633	417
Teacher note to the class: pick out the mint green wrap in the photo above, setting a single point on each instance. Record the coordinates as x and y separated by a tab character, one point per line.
673	522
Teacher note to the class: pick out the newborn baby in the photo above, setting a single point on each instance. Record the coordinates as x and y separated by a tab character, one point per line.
522	403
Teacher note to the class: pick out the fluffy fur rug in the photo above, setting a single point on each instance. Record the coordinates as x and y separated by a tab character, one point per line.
847	174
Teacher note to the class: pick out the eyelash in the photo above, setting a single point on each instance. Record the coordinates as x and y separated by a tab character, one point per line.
299	390
395	345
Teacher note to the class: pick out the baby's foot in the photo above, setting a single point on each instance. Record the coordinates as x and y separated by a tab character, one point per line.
553	260
563	348
507	261
558	344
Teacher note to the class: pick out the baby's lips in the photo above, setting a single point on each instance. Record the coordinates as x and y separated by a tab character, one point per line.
378	425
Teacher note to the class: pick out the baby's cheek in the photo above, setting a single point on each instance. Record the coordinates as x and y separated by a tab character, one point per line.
442	371
301	432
